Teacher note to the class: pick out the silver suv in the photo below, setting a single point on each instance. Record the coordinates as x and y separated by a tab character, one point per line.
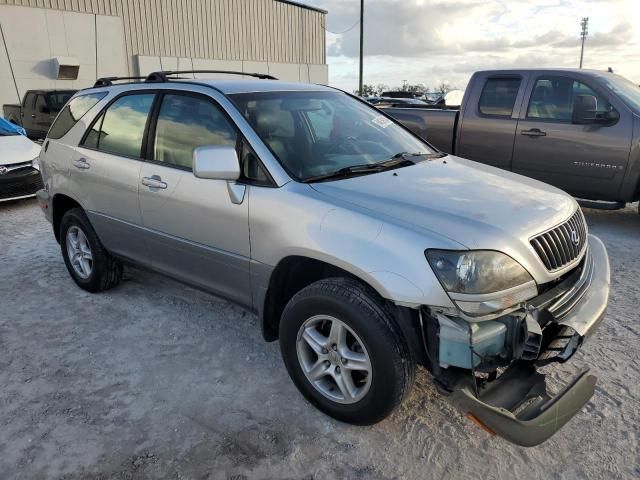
362	248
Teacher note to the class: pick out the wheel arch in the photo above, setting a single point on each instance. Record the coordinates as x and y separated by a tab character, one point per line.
60	204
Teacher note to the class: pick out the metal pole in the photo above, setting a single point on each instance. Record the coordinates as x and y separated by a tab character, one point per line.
584	23
361	43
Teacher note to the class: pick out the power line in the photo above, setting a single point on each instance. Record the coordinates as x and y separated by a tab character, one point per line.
345	31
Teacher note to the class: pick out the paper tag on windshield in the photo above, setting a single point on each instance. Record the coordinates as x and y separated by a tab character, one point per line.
382	121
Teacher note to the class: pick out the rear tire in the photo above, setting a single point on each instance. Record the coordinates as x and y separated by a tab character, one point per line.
89	264
344	352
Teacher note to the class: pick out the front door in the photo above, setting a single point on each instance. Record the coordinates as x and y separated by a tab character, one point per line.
28	114
105	174
194	231
588	161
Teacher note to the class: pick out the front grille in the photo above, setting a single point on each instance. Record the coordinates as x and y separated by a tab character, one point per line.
563	244
20	183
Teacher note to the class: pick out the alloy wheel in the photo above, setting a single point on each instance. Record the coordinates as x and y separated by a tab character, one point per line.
79	252
334	359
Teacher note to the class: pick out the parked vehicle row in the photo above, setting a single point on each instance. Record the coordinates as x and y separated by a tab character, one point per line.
578	130
362	249
37	110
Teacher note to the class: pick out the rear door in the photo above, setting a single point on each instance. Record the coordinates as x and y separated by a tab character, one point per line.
488	121
106	170
588	161
194	231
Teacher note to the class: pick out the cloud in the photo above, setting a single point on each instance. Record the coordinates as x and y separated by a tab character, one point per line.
430	41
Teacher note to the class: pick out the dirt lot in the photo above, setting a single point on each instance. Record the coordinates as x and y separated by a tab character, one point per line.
156	380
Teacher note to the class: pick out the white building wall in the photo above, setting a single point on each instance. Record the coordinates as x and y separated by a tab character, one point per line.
131	37
34	37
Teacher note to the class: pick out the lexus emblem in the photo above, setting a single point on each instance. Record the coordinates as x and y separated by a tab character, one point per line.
575	238
3	170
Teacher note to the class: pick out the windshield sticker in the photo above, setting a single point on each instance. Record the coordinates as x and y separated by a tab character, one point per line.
381	121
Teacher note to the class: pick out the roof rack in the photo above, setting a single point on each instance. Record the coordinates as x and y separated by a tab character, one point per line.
163	76
108	81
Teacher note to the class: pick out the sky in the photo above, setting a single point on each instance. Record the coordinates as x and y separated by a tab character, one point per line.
435	41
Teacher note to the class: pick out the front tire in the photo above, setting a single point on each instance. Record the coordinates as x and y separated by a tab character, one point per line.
344	352
89	264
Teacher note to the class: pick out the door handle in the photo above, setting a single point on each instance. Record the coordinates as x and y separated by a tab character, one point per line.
82	164
534	132
154	181
33	115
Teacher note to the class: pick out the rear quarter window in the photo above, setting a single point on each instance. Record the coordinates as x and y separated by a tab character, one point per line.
499	96
72	112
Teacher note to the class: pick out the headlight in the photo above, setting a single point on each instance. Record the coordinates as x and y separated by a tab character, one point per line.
481	282
35	163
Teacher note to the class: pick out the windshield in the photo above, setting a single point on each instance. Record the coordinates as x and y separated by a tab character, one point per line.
317	133
57	100
628	92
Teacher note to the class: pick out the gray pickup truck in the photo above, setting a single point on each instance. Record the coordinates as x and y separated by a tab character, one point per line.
37	111
578	130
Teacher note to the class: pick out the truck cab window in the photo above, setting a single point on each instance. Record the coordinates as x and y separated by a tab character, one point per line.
41	104
499	96
552	98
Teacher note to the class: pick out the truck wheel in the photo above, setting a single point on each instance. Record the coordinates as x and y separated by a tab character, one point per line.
344	352
89	264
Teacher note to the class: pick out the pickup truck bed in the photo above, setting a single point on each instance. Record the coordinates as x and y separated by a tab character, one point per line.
578	130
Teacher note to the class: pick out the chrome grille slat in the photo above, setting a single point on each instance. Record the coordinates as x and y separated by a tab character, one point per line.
564	304
556	247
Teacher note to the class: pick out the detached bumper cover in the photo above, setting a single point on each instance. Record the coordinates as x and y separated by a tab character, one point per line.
517	405
499	406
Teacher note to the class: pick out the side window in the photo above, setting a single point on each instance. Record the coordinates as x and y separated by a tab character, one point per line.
123	125
551	99
73	112
186	122
91	137
41	104
252	169
499	96
30	101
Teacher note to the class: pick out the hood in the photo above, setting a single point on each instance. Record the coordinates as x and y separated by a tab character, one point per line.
17	149
478	206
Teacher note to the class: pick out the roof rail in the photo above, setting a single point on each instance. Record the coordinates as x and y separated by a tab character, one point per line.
163	76
108	81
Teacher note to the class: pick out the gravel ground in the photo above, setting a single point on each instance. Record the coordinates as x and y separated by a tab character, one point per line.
156	380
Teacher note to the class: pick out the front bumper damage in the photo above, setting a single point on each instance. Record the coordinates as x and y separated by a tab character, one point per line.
517	405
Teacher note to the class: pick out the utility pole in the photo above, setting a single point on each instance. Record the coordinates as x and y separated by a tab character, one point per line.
584	23
361	43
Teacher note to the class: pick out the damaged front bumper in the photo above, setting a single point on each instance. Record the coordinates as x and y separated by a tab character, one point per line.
517	405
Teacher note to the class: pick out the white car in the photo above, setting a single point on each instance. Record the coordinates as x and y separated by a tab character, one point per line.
19	167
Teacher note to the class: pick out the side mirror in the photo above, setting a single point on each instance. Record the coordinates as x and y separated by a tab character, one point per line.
584	107
217	162
585	112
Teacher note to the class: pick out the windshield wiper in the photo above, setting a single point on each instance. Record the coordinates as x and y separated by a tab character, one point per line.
397	161
363	169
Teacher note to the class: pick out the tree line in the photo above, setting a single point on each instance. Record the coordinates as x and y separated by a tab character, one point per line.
369	90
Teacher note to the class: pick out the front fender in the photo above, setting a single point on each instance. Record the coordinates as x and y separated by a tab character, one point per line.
292	221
